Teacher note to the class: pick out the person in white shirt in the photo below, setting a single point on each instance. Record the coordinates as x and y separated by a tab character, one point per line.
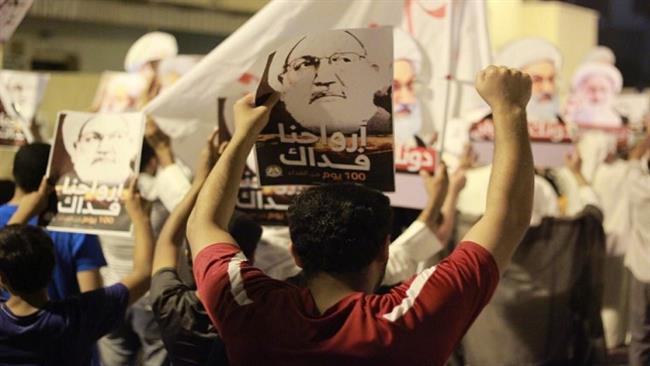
637	258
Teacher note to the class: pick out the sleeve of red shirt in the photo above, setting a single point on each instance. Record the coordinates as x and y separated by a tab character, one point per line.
228	285
438	305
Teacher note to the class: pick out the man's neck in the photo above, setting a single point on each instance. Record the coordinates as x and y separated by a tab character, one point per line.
18	195
27	304
328	289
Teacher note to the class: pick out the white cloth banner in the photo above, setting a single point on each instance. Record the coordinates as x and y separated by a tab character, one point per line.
451	36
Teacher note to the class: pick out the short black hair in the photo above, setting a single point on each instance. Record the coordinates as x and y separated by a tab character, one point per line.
147	153
30	166
246	232
26	258
339	228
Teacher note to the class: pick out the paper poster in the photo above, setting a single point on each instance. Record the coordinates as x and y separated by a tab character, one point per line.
120	92
20	95
550	135
333	122
12	13
267	205
93	159
591	105
413	127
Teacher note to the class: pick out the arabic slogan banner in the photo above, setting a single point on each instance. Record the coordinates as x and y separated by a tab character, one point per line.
20	95
266	205
93	159
333	122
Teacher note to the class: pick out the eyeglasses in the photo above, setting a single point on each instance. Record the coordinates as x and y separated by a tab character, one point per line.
96	138
307	65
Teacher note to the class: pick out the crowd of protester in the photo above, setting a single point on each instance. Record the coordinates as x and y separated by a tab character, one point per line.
200	283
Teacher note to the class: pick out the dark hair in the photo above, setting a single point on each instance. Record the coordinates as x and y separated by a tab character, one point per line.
246	232
339	228
147	154
26	258
30	165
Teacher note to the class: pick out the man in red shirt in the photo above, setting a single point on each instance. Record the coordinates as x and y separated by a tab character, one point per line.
340	239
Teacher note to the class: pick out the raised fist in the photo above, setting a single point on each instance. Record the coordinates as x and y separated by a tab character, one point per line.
504	89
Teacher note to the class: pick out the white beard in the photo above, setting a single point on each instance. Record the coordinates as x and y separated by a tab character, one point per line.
543	111
405	127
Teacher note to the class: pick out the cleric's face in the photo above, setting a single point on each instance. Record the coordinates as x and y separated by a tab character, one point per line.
403	88
104	151
543	75
597	89
328	79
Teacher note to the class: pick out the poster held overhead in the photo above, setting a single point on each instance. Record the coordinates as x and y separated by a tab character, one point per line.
21	93
92	161
551	136
334	119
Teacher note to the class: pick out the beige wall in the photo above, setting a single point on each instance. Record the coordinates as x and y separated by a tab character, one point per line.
573	29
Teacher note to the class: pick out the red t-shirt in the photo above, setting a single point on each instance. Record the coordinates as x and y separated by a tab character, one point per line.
268	322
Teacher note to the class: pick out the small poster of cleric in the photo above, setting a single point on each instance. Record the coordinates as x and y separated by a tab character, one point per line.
591	105
12	13
413	128
551	137
93	159
267	205
20	95
120	92
333	122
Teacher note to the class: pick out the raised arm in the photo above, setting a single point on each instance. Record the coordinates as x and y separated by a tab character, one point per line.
510	191
32	204
171	235
138	281
208	222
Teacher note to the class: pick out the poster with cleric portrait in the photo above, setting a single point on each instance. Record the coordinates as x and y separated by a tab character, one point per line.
591	105
92	161
12	13
21	93
414	136
267	205
551	136
333	122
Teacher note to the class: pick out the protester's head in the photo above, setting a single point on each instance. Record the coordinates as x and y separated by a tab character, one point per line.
101	148
542	61
340	229
26	259
328	78
246	232
149	50
30	165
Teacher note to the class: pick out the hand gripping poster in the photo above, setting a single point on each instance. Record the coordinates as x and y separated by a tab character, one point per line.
333	122
21	93
92	161
267	205
550	135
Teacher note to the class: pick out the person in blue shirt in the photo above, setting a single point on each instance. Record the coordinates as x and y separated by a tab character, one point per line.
36	330
78	256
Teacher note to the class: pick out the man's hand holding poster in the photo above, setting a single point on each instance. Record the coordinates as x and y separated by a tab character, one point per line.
267	205
93	159
334	119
